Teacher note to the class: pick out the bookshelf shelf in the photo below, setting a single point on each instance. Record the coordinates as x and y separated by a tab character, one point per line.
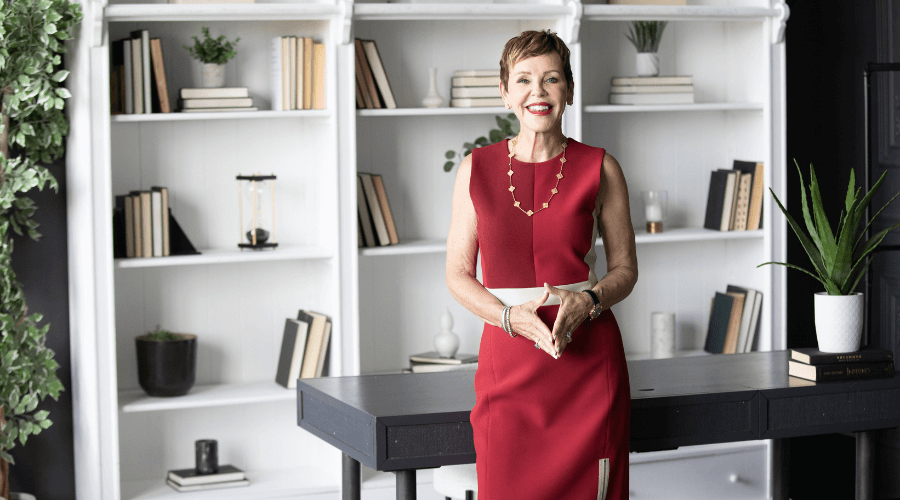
406	248
205	396
455	11
220	12
227	256
307	483
432	111
234	115
676	108
676	13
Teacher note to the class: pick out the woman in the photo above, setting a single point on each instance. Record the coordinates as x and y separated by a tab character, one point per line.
551	418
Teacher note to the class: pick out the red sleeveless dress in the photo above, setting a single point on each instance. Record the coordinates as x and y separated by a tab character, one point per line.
546	428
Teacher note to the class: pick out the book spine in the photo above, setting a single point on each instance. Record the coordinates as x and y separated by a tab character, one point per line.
145	73
834	358
137	76
318	86
825	373
308	72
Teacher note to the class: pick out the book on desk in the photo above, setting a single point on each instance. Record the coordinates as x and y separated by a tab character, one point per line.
868	362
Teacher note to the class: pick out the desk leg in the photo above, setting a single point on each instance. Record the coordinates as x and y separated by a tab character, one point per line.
865	486
781	456
350	478
406	484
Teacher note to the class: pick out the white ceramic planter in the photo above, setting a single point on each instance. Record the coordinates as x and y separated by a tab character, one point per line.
213	75
647	64
433	99
839	321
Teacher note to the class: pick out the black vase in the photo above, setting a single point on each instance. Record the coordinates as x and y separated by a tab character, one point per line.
166	368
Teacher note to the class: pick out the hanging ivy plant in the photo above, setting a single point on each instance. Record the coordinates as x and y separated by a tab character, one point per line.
32	42
507	128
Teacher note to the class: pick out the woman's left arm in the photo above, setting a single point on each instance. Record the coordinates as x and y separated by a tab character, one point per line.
615	226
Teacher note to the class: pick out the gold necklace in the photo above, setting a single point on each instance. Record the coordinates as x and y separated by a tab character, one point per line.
512	189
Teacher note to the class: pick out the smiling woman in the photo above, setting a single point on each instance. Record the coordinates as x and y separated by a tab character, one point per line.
545	425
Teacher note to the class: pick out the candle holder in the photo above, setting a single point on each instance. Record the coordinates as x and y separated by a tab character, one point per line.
655	205
254	189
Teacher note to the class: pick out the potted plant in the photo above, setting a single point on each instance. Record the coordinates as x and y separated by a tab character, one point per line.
495	135
840	258
213	53
166	362
645	36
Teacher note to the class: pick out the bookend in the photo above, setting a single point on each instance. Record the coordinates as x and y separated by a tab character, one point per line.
179	244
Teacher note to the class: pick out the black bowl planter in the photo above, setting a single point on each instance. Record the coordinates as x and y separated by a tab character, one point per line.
166	368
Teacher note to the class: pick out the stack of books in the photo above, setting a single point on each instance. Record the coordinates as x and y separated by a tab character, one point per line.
652	90
475	88
143	226
298	73
205	100
304	347
735	198
137	80
228	476
433	362
376	223
812	364
733	320
373	91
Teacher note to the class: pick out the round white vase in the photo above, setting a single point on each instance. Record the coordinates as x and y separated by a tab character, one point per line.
647	64
446	343
213	75
839	321
662	334
433	99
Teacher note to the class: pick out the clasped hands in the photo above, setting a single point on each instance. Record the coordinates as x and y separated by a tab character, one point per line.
573	310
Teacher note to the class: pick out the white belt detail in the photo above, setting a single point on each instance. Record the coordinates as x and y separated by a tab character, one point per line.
516	296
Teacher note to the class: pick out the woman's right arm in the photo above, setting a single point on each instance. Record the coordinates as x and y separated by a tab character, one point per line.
462	255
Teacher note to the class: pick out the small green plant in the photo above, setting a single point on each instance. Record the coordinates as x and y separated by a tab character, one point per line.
212	50
161	335
506	130
837	257
645	35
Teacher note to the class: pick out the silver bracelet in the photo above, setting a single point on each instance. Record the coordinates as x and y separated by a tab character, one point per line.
507	327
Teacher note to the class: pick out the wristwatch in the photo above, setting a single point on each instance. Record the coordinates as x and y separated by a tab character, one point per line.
596	310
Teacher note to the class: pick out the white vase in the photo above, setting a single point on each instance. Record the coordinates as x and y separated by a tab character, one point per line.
647	64
446	343
662	335
839	321
433	99
213	75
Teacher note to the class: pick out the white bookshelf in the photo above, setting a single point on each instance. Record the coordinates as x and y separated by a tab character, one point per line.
385	302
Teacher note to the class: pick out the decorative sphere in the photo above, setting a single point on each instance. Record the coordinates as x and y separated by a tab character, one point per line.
262	235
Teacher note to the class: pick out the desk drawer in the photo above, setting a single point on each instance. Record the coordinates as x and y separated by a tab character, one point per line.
735	474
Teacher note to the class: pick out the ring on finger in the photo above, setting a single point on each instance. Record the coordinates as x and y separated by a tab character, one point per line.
536	346
569	336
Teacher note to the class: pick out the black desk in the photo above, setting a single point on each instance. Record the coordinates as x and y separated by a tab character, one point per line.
405	422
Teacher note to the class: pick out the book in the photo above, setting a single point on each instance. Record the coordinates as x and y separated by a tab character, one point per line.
754	322
188	477
119	250
460	92
733	200
754	209
129	226
734	322
164	216
213	93
117	78
156	215
285	73
137	77
360	102
309	72
362	90
314	341
275	75
365	220
385	209
841	371
430	368
476	102
813	356
144	37
318	77
718	202
159	75
323	352
477	72
377	67
293	348
218	110
128	70
719	319
146	225
639	99
746	314
292	72
475	81
434	357
378	223
298	73
135	197
367	74
207	486
651	89
651	80
742	203
224	102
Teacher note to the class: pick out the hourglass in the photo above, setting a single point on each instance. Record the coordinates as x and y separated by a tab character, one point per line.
255	189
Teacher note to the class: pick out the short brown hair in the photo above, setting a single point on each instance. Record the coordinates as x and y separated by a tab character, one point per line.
530	44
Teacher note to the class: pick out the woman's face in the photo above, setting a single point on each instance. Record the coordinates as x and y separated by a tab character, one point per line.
537	92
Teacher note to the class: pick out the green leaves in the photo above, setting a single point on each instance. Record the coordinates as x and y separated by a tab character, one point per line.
506	129
212	50
645	35
837	257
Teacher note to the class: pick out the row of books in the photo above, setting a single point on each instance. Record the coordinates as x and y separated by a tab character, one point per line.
432	362
475	88
227	476
304	347
298	73
812	364
733	320
652	90
143	226
137	82
376	223
735	198
373	91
